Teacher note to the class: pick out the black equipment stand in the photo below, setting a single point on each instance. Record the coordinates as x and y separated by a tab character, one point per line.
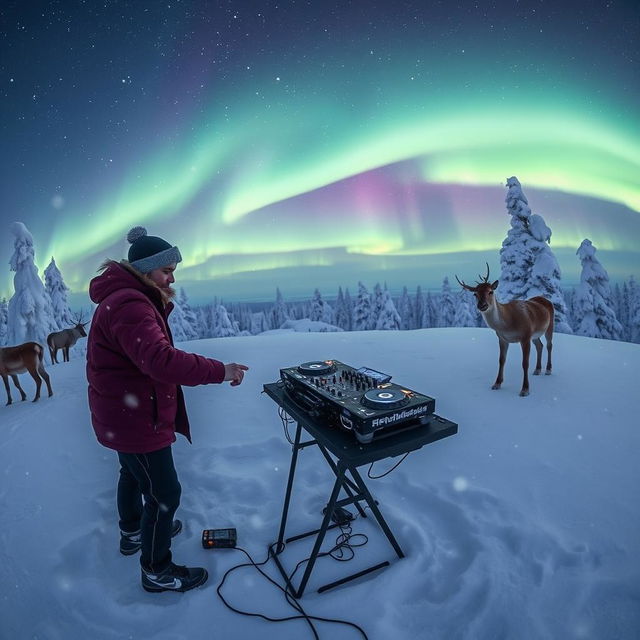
350	454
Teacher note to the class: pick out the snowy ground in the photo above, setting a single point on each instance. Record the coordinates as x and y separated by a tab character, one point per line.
524	525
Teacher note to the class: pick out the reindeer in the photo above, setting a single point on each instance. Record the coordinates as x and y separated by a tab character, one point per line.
516	321
24	357
65	339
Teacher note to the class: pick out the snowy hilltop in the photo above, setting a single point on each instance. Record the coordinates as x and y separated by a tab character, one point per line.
524	525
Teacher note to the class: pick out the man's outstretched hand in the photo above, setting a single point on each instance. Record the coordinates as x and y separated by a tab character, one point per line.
235	373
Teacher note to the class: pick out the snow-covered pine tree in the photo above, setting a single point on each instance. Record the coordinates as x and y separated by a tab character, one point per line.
388	318
4	317
419	309
56	288
279	313
362	309
30	315
222	324
447	305
430	312
191	323
634	310
515	257
202	314
348	303
180	329
342	313
545	274
464	304
320	309
528	266
405	310
377	302
594	314
258	323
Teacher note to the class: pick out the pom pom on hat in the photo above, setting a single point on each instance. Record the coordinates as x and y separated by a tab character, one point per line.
135	233
147	253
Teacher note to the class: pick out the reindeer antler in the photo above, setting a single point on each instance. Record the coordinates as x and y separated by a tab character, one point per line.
78	317
465	286
485	278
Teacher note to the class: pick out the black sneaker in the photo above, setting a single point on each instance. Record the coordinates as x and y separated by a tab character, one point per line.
130	543
174	578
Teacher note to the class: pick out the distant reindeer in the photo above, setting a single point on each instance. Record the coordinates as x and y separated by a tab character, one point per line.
65	339
516	321
24	357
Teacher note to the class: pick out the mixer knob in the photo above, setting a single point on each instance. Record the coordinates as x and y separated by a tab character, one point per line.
340	394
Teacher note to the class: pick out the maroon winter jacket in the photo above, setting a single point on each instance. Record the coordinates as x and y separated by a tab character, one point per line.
133	369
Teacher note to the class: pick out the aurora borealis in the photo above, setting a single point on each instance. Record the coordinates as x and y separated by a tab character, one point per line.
317	144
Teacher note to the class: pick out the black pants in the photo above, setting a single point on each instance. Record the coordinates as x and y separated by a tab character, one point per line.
153	476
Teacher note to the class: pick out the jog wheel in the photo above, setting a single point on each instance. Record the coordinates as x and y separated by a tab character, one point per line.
316	368
384	399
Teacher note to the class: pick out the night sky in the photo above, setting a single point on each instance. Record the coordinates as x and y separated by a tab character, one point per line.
306	144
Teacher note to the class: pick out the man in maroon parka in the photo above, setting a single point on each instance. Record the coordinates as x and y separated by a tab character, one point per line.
137	405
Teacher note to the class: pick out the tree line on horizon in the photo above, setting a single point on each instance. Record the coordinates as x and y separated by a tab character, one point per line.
528	268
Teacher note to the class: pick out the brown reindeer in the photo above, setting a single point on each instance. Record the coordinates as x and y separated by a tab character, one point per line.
65	339
24	357
516	321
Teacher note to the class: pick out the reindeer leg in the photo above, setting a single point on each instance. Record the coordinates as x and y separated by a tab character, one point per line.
38	381
538	368
16	382
5	379
526	350
549	337
504	345
45	375
66	354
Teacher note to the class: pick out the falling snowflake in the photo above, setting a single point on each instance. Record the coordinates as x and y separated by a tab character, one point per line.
460	483
131	400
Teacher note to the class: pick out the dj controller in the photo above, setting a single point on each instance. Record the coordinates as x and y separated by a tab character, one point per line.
362	400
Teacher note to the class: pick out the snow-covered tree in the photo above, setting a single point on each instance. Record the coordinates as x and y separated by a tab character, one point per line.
342	312
191	323
258	323
377	302
30	315
221	326
202	314
528	266
419	309
623	313
180	329
320	309
362	309
515	256
57	290
4	317
593	310
447	305
388	318
405	310
634	310
464	305
348	303
279	313
430	314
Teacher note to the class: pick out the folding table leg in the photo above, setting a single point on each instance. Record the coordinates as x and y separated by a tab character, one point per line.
346	483
320	538
376	512
287	498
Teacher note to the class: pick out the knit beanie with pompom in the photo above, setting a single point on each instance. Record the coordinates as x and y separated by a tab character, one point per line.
147	253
